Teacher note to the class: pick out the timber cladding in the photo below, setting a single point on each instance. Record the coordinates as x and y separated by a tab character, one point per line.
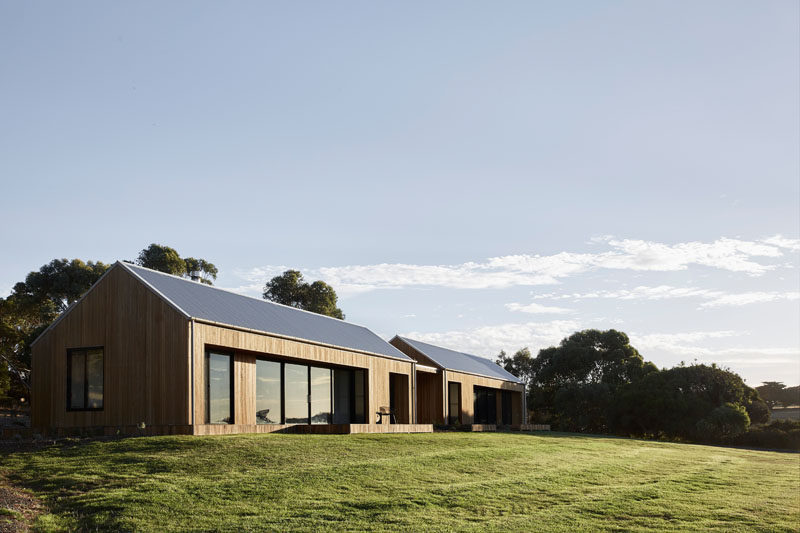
154	374
469	382
145	359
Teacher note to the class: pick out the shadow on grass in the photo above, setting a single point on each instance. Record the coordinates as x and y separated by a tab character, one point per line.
73	475
565	434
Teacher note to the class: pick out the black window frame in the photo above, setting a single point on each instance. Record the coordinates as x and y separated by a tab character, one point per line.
232	355
86	349
309	364
452	420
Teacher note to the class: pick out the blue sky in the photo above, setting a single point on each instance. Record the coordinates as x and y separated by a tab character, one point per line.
484	175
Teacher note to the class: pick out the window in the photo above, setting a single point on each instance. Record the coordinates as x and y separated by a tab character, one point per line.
268	392
288	393
348	396
453	402
296	394
320	395
219	395
85	379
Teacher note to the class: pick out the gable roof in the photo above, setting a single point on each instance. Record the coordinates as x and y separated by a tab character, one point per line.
460	361
226	308
205	302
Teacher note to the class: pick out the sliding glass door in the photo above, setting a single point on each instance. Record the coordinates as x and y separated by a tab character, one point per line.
288	393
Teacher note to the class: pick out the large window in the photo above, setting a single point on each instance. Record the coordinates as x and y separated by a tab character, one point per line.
296	391
85	379
453	402
268	392
288	393
320	395
219	400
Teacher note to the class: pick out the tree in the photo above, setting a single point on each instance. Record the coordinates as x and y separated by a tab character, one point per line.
290	289
322	299
791	396
727	421
520	364
772	392
167	260
586	367
33	304
671	403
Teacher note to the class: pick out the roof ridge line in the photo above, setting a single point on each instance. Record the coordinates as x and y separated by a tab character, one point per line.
245	295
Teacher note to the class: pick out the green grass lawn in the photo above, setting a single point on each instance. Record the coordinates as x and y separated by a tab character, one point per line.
450	481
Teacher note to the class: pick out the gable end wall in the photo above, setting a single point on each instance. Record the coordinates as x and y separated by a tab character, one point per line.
146	358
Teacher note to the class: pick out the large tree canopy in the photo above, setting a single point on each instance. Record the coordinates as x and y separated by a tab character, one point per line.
590	356
573	384
166	259
33	304
290	289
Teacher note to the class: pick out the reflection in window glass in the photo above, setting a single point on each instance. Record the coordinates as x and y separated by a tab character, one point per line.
296	393
220	374
77	374
94	378
268	392
320	395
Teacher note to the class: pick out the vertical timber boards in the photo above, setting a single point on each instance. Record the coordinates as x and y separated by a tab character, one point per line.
145	358
469	381
247	345
429	398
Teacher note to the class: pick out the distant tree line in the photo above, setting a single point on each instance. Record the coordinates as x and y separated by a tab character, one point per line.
596	382
776	393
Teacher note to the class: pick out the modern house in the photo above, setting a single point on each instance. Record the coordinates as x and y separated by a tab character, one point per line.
461	388
147	352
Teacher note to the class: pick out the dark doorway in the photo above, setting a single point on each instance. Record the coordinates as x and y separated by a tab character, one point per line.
398	397
485	405
506	407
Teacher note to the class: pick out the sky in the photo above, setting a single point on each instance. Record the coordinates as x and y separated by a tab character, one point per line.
480	175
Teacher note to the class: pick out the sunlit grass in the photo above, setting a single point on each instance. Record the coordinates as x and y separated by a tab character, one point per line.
452	481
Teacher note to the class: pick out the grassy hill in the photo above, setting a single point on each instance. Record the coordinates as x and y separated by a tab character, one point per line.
444	482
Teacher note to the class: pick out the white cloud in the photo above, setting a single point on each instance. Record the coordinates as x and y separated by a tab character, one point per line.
733	255
535	308
686	345
487	341
782	242
664	292
746	298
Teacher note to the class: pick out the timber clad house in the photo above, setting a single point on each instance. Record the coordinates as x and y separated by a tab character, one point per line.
462	389
147	352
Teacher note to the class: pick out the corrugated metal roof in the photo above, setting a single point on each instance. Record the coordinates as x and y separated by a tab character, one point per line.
460	361
205	302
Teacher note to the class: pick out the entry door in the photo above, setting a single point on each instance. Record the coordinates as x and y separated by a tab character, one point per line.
506	408
453	402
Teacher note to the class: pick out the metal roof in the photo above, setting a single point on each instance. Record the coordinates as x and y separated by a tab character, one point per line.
460	361
204	302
